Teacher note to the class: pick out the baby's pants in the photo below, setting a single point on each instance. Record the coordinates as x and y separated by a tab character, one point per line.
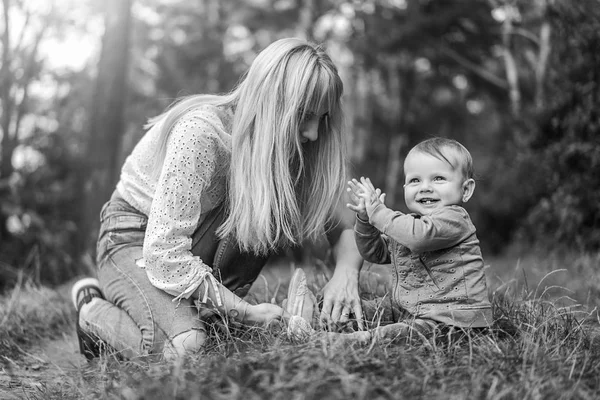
385	320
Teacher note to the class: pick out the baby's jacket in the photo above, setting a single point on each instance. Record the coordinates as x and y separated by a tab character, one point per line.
438	270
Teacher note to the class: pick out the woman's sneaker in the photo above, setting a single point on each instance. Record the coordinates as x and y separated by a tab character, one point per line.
83	291
301	302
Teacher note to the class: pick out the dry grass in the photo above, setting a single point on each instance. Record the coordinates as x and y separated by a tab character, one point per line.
30	314
552	351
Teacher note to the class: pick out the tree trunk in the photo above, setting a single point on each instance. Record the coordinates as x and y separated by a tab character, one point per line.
359	115
306	20
7	142
540	71
398	139
393	178
511	66
107	123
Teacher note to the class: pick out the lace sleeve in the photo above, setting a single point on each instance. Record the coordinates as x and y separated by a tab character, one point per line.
190	162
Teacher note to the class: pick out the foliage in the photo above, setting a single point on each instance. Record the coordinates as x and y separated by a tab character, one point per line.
44	113
42	218
39	201
412	69
566	143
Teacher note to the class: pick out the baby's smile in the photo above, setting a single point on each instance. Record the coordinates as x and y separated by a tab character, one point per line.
427	200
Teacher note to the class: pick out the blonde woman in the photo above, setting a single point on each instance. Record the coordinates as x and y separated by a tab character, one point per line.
216	185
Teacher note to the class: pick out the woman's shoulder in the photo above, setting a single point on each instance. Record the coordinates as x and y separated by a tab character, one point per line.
204	122
218	116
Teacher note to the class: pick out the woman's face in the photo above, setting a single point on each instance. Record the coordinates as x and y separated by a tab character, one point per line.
309	126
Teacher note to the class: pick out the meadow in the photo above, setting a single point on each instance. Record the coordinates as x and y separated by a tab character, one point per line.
546	345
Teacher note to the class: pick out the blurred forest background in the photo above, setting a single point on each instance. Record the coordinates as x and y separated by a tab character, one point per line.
516	81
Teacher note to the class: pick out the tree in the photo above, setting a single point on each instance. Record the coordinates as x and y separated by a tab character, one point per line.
107	118
566	136
20	66
41	109
420	63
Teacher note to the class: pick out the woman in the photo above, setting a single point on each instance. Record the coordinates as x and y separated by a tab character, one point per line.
216	185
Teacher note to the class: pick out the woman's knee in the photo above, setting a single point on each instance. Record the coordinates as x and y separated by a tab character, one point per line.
188	342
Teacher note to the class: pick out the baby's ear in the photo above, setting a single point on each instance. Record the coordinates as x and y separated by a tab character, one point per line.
468	189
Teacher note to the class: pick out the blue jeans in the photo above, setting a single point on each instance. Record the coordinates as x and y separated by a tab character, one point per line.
137	319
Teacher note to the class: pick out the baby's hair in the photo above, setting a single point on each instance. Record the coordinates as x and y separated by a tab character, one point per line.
450	151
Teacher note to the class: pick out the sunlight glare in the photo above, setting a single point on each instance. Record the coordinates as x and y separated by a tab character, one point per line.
70	44
72	52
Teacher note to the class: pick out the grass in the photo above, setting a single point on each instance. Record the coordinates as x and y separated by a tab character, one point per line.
552	351
28	315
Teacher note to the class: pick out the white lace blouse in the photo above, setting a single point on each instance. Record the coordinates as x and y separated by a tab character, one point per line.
192	182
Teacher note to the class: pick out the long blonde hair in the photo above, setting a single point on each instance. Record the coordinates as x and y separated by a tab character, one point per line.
281	192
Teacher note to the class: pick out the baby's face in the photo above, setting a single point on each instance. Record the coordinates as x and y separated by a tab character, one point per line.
431	183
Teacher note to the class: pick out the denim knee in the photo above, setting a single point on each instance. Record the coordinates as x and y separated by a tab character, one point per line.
188	342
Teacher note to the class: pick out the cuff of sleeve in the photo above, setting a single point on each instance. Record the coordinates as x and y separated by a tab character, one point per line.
364	221
364	228
202	275
380	217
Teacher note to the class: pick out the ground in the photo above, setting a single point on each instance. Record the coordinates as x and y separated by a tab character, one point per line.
46	364
554	354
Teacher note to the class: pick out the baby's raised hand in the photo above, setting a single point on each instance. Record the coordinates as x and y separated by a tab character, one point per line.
371	196
355	194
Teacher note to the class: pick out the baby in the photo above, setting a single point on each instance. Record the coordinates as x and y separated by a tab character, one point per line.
437	268
438	271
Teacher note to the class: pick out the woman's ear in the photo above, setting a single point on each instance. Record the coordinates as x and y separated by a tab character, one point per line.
468	189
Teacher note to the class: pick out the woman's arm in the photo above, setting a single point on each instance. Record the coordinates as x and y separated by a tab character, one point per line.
188	168
217	297
340	294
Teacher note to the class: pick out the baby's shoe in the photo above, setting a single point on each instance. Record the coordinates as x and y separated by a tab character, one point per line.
302	303
82	292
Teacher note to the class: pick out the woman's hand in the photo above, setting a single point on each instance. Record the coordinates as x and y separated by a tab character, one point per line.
341	298
340	295
264	313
